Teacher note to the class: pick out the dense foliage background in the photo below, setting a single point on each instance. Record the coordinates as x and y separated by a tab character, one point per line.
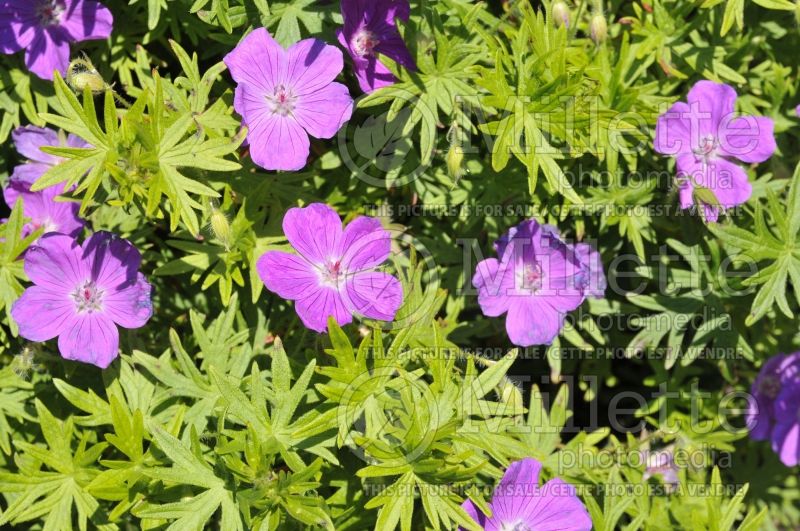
225	412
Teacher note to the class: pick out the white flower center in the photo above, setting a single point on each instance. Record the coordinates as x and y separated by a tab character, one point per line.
364	42
283	100
332	273
88	297
49	11
706	148
47	224
530	278
519	525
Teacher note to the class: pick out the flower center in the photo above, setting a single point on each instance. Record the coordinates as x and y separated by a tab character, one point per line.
47	224
283	100
516	526
530	278
332	274
706	147
770	386
88	297
364	42
49	11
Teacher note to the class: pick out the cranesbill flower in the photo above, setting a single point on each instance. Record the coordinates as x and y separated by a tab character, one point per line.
41	207
536	280
370	28
704	135
770	415
284	96
591	278
786	433
333	272
81	293
520	504
44	29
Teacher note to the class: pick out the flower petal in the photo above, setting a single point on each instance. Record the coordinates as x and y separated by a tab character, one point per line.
314	231
322	303
365	244
710	104
495	287
42	314
113	261
375	295
473	513
673	131
277	142
786	442
556	508
323	112
530	321
258	60
748	138
49	52
55	263
288	275
131	306
312	65
87	19
90	338
30	140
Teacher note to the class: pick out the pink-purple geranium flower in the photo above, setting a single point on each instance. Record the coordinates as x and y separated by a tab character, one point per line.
520	504
81	293
45	29
774	412
334	270
284	96
703	135
41	207
370	28
536	280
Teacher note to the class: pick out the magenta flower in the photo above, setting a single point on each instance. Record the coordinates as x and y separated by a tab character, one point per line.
44	29
774	411
333	272
591	278
370	28
519	503
284	96
41	207
537	280
703	135
81	293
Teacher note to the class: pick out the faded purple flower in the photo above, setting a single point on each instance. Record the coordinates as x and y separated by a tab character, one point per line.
660	463
370	28
81	293
44	29
537	280
704	135
41	207
591	278
333	272
284	96
520	504
774	411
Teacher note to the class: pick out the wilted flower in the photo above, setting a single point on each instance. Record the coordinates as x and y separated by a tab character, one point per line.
520	504
41	207
81	293
773	411
333	272
537	280
284	96
660	463
370	28
703	135
44	29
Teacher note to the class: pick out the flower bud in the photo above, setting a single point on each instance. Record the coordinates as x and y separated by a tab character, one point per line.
82	74
220	226
510	395
561	14
455	160
598	28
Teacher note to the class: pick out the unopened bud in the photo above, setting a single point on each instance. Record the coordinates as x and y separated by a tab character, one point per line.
220	226
561	14
81	74
598	28
455	160
511	396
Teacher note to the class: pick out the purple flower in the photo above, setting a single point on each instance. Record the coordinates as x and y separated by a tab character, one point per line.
333	272
537	280
284	96
370	29
81	293
44	29
703	135
591	278
41	207
773	411
519	503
